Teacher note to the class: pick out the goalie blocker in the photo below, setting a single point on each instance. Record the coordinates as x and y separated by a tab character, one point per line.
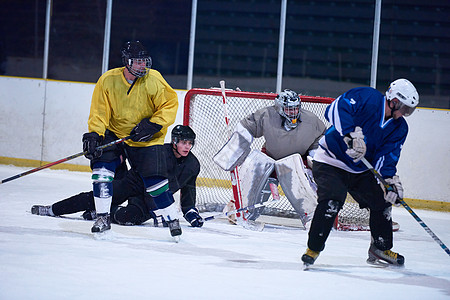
235	151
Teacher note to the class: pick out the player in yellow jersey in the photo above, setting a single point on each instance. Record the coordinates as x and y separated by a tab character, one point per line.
135	101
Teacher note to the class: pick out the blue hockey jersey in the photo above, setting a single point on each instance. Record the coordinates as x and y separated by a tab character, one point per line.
363	107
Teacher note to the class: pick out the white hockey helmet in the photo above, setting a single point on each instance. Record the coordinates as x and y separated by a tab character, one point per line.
403	90
288	105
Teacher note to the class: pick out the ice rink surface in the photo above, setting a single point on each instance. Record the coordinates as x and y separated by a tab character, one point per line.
58	258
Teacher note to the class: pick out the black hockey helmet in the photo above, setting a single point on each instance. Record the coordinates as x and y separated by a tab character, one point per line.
182	133
136	58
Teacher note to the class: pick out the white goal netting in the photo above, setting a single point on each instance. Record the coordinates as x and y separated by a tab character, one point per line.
204	113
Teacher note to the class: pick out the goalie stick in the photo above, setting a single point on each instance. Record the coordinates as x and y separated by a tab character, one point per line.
275	195
390	188
234	173
63	160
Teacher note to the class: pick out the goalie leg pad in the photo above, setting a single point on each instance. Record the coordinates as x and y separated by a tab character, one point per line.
297	186
253	176
263	197
233	153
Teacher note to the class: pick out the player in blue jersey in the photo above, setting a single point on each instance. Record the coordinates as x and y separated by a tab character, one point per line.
365	123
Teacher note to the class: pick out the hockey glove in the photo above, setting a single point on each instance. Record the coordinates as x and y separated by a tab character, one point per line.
91	141
144	131
397	193
356	145
194	218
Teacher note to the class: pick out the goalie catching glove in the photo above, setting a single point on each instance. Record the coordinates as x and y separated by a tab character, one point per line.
356	145
193	217
396	193
144	131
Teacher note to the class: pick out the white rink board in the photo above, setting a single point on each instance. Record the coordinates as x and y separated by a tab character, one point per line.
65	117
21	109
424	166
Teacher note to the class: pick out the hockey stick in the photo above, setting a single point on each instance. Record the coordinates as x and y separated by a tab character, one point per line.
234	173
63	160
275	196
390	188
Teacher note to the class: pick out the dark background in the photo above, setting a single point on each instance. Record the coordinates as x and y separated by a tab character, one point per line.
328	44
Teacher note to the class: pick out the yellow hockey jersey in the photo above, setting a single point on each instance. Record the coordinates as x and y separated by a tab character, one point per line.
150	97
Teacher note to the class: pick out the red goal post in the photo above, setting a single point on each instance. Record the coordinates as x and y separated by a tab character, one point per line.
203	112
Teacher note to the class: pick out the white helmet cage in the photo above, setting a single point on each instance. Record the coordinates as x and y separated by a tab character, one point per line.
288	105
405	92
136	58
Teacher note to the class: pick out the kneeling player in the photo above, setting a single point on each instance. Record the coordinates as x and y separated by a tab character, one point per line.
183	168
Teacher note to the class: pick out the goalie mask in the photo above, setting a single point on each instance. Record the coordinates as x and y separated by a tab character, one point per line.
136	58
406	94
288	105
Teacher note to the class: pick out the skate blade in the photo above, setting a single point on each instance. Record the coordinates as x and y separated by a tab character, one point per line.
176	239
381	263
306	267
378	263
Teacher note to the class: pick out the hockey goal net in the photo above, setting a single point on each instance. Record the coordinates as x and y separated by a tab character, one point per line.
204	113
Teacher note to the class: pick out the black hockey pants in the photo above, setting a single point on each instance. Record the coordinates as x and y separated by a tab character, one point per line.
333	184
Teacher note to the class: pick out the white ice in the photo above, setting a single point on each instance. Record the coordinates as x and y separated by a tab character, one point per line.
58	258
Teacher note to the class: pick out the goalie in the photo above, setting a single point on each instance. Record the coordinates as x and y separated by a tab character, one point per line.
291	135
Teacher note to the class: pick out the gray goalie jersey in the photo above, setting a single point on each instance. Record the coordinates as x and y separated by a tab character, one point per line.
280	143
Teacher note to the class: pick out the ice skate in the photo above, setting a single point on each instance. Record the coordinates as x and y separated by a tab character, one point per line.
164	222
309	257
175	229
384	258
102	223
89	215
41	210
